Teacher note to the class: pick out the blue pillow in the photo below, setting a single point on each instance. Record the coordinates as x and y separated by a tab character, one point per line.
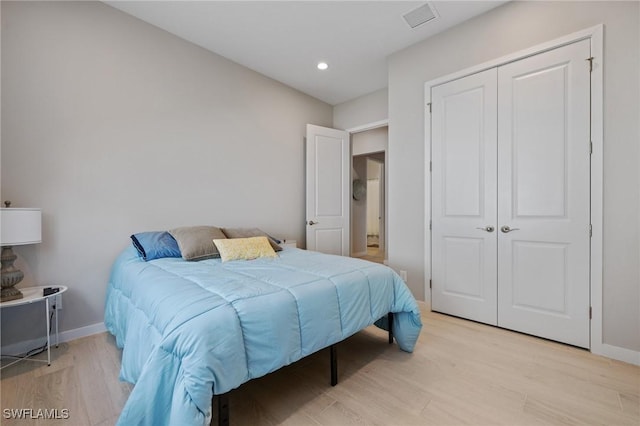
154	245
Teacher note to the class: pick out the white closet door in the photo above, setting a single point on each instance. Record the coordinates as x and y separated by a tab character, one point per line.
464	264
543	195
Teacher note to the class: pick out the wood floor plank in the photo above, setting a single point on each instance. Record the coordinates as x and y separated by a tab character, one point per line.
630	404
59	390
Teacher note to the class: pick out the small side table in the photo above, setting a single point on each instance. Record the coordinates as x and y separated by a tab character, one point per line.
289	243
34	295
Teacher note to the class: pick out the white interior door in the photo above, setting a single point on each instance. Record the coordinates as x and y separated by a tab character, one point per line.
511	150
373	208
543	197
328	190
382	209
464	263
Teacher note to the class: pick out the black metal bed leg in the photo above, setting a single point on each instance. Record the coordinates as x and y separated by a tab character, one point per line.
390	321
220	406
333	356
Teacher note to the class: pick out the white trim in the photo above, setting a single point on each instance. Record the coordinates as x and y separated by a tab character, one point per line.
368	126
65	336
77	333
595	34
588	33
597	197
427	194
620	354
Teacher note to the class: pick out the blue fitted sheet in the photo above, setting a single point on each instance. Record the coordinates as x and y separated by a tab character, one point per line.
193	329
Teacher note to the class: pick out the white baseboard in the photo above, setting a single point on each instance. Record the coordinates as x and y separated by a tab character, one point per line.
77	333
620	354
65	336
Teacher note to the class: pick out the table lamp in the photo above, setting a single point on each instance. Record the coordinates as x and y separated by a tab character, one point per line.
18	226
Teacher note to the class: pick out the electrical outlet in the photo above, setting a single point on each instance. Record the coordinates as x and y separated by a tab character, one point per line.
403	275
58	302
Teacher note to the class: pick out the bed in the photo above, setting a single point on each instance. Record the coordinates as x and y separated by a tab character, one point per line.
191	330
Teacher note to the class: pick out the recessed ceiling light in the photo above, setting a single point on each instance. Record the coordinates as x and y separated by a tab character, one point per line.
322	66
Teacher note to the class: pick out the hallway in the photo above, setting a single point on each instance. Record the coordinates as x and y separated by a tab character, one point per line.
373	255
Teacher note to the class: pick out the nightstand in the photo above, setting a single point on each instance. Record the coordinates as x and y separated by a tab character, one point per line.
35	295
289	243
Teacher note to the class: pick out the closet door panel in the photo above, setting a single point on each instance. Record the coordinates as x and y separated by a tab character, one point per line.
539	150
543	194
464	264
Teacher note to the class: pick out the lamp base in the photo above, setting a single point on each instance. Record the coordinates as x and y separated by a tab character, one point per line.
9	276
10	293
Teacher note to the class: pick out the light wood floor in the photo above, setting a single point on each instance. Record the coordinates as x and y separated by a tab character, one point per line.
373	255
461	373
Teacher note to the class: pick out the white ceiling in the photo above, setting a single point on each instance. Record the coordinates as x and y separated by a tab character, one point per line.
286	39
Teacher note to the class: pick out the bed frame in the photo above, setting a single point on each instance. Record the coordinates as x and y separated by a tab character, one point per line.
220	403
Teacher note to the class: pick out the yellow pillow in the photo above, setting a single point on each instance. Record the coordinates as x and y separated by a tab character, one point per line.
244	248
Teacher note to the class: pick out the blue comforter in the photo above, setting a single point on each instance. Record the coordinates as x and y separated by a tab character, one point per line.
193	329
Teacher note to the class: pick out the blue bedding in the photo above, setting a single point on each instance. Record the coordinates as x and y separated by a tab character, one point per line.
190	330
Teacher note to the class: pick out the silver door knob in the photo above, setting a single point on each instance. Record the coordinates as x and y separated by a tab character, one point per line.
488	228
506	229
311	223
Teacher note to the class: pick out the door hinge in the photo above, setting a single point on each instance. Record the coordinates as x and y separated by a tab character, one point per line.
590	312
590	59
430	166
590	230
429	283
430	225
590	147
429	106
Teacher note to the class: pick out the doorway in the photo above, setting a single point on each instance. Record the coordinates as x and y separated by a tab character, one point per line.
368	204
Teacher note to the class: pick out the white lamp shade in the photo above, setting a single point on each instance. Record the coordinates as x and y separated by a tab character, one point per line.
20	226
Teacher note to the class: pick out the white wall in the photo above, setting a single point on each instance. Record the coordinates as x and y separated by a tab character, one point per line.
367	109
374	167
370	141
504	30
114	126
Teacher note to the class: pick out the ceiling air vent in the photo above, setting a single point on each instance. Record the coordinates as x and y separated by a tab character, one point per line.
419	16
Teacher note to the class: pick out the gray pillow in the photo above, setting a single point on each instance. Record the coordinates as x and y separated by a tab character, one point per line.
250	232
196	242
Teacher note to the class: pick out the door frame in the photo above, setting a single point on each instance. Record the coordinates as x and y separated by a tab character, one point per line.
595	35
